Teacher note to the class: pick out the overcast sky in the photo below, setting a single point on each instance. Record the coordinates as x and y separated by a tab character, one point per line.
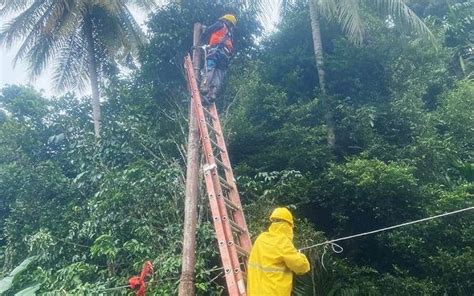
19	74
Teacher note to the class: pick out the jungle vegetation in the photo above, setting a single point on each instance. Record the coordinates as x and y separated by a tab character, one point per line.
79	214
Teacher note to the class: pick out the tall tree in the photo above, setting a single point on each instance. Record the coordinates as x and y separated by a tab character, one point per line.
348	13
83	38
318	54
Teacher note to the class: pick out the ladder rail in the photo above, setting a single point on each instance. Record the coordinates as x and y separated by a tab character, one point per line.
245	241
222	222
212	194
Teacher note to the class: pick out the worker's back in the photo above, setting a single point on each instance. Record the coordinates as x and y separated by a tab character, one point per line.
273	260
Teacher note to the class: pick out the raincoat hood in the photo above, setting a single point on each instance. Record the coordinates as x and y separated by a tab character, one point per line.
281	228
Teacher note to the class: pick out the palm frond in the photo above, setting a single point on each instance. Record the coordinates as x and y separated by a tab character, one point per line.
266	8
117	30
71	64
108	34
70	18
9	6
62	11
403	12
148	5
348	14
113	7
255	5
23	24
328	8
132	30
41	53
82	8
42	41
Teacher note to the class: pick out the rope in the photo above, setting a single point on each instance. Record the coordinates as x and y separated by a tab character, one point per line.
332	242
335	248
128	286
160	280
214	278
112	289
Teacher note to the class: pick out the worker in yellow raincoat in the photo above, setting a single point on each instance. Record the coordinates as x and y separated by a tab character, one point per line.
274	258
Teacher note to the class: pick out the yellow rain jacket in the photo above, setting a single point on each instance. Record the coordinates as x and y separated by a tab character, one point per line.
273	260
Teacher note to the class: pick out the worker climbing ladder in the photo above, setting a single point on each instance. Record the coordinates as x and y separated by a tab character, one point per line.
227	214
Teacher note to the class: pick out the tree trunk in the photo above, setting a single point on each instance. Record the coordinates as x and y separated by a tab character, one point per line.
186	285
318	53
94	79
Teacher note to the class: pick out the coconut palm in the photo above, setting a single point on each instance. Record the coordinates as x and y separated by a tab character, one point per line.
348	13
84	39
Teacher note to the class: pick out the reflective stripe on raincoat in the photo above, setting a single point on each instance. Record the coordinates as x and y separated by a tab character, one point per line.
273	260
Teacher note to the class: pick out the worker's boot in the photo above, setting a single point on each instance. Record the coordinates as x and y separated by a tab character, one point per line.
206	81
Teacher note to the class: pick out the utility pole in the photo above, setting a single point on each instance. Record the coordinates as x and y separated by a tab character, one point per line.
186	284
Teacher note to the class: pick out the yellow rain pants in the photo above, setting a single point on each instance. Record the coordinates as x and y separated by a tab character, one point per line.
273	260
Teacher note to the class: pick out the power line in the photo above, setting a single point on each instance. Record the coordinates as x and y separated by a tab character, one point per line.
331	242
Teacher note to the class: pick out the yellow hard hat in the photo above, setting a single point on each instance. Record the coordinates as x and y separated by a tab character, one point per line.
282	214
230	18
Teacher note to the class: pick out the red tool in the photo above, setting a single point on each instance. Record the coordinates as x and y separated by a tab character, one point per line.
138	282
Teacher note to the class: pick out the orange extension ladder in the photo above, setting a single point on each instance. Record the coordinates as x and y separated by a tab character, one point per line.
228	217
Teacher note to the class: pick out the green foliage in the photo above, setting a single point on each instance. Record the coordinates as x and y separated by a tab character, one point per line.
92	214
369	192
459	24
350	15
104	246
455	119
286	132
266	191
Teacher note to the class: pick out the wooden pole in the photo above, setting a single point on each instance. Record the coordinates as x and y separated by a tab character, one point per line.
186	285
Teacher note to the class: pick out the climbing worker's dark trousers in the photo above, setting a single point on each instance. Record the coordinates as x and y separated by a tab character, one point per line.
216	67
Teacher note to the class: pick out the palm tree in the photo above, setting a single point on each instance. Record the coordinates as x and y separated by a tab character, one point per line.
348	14
83	38
318	53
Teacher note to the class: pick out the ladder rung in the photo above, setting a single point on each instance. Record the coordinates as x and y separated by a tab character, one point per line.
234	256
209	113
213	129
225	184
207	167
221	164
217	145
231	205
236	227
241	251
